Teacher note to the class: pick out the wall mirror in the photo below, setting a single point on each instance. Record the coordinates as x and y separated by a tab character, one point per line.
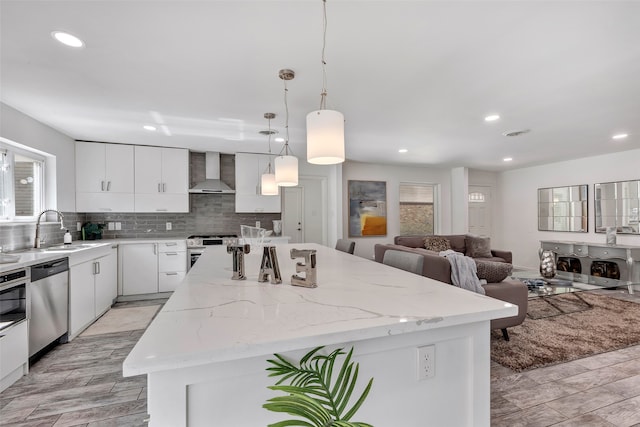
563	209
617	204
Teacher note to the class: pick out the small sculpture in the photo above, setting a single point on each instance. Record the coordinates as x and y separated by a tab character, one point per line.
238	252
309	268
547	264
269	266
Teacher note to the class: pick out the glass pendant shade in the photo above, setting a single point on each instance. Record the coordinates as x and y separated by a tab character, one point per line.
269	186
286	171
325	137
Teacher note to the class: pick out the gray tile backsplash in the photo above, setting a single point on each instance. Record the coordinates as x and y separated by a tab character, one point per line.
208	214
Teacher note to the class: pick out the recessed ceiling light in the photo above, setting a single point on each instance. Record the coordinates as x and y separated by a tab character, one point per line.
507	159
620	136
278	139
149	127
67	39
402	150
491	118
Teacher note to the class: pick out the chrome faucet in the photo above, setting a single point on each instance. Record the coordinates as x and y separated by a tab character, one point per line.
60	217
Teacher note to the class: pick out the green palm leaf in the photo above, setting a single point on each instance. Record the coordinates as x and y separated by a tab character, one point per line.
313	394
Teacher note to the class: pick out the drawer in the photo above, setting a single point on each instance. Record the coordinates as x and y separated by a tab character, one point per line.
559	248
607	252
172	246
14	348
168	282
172	261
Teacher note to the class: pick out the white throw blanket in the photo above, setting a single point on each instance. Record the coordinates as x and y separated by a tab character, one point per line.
464	273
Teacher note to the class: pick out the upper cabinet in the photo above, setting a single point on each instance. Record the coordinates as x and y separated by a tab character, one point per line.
104	177
161	179
249	170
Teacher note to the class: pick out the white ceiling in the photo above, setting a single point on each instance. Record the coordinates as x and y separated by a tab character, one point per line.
419	75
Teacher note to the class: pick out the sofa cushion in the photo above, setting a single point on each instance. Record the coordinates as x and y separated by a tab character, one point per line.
478	247
457	242
436	243
493	272
410	241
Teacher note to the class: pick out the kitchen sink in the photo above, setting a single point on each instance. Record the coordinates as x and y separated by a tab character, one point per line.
70	248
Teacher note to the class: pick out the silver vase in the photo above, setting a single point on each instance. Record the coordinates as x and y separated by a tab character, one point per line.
547	264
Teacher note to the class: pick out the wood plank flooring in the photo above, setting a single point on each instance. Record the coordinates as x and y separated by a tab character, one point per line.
81	384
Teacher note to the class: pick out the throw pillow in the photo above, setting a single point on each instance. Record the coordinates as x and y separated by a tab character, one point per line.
436	243
478	247
493	272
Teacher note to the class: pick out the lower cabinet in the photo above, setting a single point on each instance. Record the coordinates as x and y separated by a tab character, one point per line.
93	286
14	354
149	268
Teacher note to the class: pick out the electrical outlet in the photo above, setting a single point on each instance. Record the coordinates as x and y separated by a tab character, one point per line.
118	226
168	226
78	226
426	362
258	224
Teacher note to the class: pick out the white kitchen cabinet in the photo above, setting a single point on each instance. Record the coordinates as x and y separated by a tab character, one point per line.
93	287
148	268
161	179
139	267
172	265
14	354
104	177
249	170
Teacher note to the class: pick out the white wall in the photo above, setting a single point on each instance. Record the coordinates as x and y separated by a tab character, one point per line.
24	130
394	175
519	211
459	200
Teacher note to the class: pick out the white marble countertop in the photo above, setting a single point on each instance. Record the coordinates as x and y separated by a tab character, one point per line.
211	318
29	257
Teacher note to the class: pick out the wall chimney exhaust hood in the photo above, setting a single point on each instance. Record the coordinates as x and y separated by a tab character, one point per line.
212	183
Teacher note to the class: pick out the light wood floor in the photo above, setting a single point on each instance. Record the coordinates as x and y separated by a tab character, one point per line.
81	384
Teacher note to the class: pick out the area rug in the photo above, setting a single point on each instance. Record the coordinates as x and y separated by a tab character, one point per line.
610	324
123	319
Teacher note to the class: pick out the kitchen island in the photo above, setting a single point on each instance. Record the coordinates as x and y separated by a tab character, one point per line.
205	353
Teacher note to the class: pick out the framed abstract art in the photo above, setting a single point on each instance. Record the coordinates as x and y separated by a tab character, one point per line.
367	208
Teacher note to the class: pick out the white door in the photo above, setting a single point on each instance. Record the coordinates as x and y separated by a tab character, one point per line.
119	168
90	167
139	268
480	210
148	171
175	170
292	211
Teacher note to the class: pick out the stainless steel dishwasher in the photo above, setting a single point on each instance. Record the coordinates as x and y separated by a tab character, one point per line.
49	294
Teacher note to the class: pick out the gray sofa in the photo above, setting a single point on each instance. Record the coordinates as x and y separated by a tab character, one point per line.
439	268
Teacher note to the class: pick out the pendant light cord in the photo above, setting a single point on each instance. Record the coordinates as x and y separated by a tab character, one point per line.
269	166
323	94
286	147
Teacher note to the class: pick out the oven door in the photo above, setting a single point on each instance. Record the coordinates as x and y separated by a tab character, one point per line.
193	255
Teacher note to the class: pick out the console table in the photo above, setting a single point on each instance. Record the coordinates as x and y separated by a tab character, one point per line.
625	256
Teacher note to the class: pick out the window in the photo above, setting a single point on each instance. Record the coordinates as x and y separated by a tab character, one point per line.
417	208
21	184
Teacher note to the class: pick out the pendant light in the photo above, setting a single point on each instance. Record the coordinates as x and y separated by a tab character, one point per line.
325	128
268	186
286	164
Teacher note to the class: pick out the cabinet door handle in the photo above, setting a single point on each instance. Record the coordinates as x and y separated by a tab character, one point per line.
102	185
171	274
164	187
171	244
171	253
98	267
105	209
159	191
161	210
155	249
108	185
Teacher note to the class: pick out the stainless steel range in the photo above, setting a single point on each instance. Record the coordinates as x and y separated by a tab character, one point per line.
198	243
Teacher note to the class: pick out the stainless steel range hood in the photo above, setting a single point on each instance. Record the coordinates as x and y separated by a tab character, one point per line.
212	183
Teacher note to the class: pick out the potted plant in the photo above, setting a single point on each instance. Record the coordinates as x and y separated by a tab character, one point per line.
313	394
